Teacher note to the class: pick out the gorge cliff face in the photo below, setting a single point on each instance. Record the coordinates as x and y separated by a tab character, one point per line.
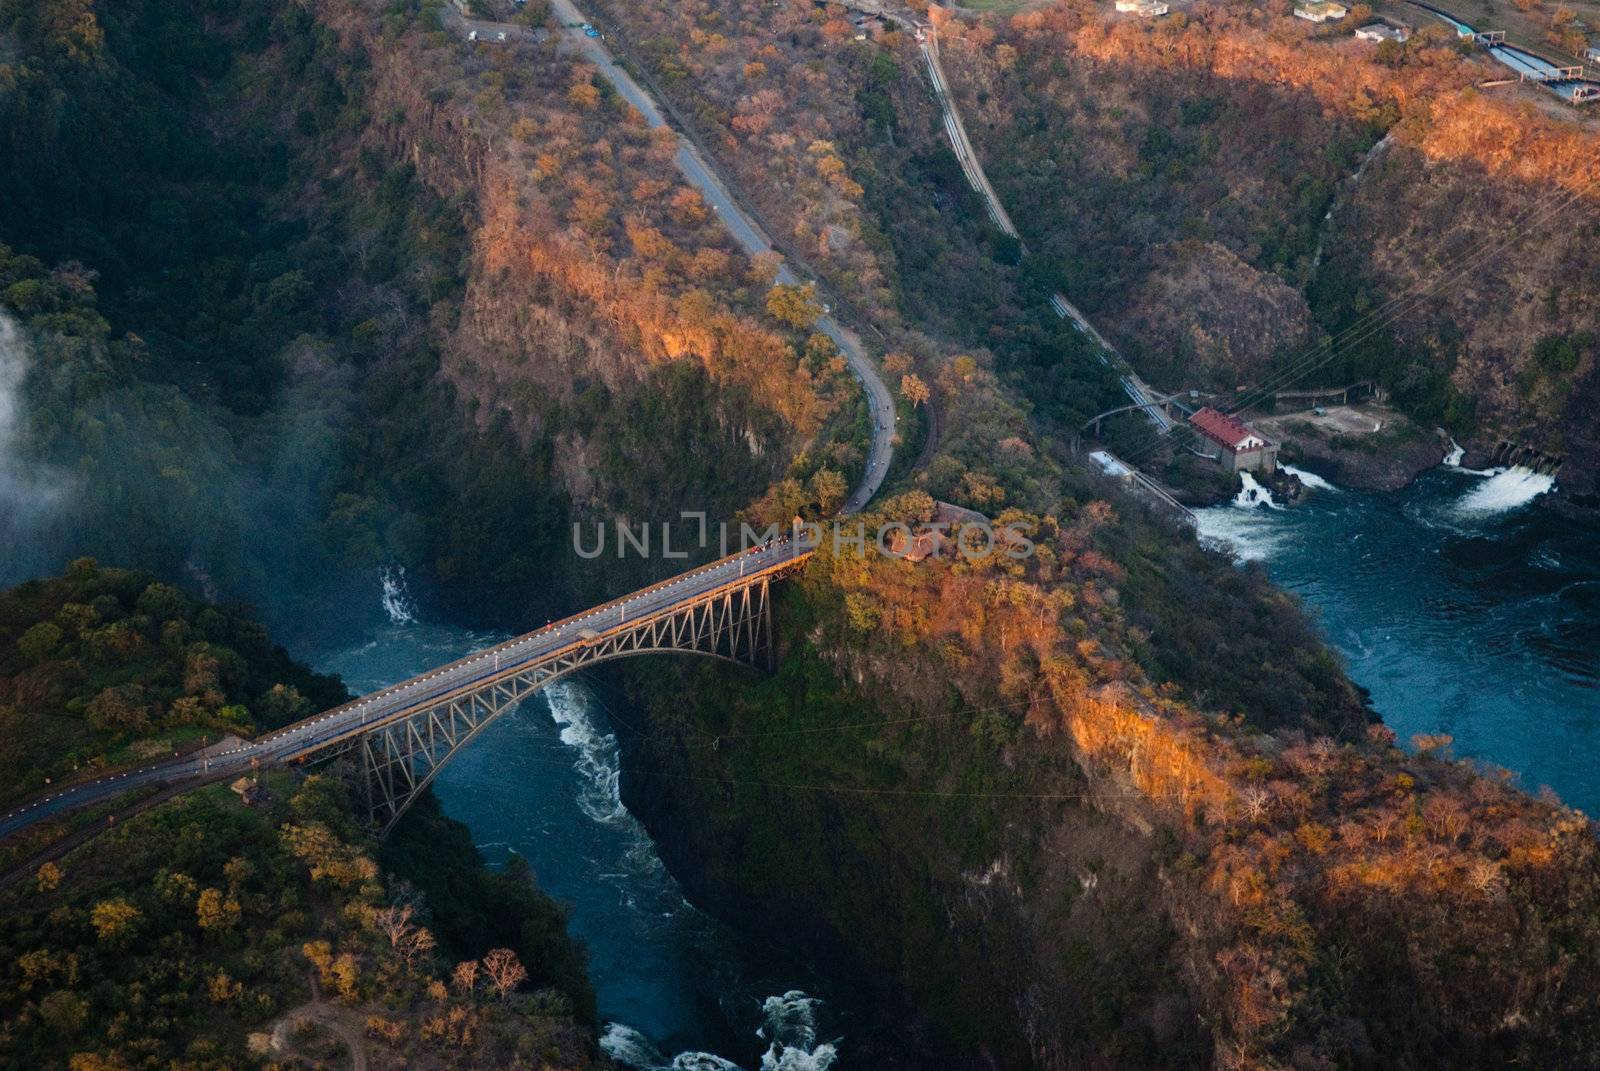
426	307
975	802
1452	269
597	279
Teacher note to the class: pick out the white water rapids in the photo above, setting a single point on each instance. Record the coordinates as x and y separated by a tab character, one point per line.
788	1021
789	1026
1309	479
1504	490
396	598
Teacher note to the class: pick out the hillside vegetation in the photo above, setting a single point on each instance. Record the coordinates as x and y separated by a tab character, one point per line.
842	150
191	934
422	310
102	665
1132	151
1010	790
1113	804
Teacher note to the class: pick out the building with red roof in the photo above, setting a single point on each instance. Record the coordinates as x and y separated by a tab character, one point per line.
1239	447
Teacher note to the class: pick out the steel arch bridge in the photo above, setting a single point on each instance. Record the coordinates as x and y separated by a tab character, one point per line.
404	734
399	758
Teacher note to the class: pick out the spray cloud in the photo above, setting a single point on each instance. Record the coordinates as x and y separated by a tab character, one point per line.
30	494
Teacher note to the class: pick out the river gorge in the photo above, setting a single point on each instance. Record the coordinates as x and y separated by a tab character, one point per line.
676	989
1458	603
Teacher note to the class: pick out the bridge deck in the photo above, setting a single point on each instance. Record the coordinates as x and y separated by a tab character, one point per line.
332	728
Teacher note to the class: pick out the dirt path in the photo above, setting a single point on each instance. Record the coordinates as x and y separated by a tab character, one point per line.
326	1016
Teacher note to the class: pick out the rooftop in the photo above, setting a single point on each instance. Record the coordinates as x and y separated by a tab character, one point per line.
1221	428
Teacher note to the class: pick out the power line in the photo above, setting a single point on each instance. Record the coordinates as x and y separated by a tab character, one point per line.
1374	321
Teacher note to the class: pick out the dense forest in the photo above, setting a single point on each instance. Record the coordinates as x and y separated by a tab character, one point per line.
196	933
234	315
101	666
293	293
1034	748
1079	832
845	155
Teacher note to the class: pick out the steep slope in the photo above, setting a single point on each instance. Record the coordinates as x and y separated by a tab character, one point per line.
1451	272
964	785
307	346
202	931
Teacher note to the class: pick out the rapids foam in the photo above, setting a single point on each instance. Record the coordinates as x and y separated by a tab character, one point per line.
1252	494
789	1025
1452	460
1503	491
1243	527
396	598
1310	479
598	760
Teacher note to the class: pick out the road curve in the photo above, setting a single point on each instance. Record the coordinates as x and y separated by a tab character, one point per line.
748	233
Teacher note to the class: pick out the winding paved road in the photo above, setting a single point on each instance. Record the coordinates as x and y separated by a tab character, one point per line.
704	177
352	719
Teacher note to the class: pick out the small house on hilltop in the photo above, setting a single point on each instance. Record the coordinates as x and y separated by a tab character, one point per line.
1320	11
1241	449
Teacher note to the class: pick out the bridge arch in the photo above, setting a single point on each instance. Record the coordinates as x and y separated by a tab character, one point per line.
401	756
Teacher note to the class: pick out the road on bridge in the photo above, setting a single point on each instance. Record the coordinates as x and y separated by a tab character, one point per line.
321	730
704	177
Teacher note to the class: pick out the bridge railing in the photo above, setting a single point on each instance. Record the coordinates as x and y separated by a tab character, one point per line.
476	657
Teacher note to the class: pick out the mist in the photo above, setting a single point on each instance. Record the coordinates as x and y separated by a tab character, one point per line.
143	476
32	495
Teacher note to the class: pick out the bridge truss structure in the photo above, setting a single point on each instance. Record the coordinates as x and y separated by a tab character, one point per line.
400	757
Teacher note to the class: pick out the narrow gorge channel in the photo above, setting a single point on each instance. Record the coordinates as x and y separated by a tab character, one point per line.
676	989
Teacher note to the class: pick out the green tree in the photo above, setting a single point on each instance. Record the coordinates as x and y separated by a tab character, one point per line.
64	1013
163	602
829	488
794	305
40	642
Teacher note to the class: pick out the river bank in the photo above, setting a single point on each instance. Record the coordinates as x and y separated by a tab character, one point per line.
1367	447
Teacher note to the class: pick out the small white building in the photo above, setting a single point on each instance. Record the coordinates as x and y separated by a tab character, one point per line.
1320	11
1592	55
1146	8
1378	31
